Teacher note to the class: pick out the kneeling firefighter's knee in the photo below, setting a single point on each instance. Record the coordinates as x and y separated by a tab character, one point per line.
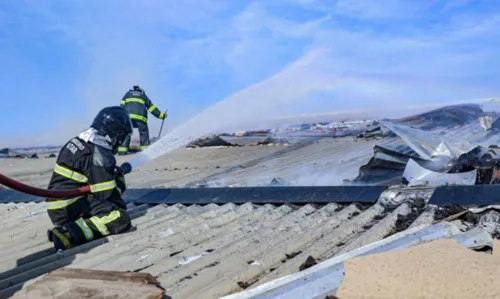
122	224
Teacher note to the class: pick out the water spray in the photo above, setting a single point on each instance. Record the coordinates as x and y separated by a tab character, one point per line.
210	121
232	113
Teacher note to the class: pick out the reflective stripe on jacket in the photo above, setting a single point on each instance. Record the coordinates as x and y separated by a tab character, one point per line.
138	105
79	164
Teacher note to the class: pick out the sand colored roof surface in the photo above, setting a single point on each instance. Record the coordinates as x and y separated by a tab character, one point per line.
439	269
324	162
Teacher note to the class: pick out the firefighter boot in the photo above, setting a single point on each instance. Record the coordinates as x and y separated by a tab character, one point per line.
60	237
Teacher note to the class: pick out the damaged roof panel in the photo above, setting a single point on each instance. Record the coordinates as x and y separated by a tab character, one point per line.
444	117
323	162
445	146
419	176
324	279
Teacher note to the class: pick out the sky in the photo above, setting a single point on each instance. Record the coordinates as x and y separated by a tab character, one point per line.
62	61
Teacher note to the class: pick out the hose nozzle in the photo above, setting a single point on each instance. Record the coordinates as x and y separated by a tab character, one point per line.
124	169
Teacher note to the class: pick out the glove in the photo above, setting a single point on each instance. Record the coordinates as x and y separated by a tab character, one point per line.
163	115
120	183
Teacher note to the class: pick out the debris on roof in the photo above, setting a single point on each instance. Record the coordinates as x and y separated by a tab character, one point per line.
28	152
486	122
213	140
267	141
376	132
93	284
444	117
429	144
278	182
386	167
324	279
434	157
416	175
287	134
249	133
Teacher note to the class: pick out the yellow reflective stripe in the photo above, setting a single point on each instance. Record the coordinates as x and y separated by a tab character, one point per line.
143	147
139	117
59	204
100	223
123	103
70	174
123	149
89	235
162	115
151	108
110	217
135	100
100	226
63	238
109	185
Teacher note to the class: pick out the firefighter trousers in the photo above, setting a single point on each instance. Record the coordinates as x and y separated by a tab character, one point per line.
143	129
87	219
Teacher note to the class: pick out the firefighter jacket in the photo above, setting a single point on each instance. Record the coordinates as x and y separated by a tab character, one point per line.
80	163
138	104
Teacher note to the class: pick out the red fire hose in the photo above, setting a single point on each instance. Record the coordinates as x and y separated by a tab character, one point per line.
63	194
124	169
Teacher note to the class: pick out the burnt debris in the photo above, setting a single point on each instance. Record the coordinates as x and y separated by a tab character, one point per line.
425	153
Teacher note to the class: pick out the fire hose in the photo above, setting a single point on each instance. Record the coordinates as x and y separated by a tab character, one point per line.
125	168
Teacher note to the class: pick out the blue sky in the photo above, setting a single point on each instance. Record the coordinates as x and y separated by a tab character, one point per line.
64	60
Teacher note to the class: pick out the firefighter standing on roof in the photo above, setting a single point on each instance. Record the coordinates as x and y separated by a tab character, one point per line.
138	105
88	159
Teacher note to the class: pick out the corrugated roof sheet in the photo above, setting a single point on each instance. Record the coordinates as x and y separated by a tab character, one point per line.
323	280
325	162
207	251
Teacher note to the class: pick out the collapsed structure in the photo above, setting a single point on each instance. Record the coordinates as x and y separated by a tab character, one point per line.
452	145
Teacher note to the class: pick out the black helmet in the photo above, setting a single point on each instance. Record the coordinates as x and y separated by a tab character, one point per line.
113	123
138	88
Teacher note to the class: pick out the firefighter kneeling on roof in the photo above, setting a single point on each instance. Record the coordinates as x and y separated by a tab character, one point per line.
88	159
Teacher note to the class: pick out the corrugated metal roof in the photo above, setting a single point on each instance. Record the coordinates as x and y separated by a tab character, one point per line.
323	280
324	162
174	169
208	251
471	132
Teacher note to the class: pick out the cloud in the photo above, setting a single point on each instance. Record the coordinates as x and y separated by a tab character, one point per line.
363	68
266	57
393	9
263	43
